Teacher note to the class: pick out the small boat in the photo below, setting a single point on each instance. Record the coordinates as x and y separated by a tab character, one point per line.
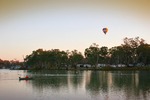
25	78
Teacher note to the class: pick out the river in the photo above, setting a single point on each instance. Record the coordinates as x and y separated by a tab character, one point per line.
75	85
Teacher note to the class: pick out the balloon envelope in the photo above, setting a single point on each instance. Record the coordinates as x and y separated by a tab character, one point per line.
105	30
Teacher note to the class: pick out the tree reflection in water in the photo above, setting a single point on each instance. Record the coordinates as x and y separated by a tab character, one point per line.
103	84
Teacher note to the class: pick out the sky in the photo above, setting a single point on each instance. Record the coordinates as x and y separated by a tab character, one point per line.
27	25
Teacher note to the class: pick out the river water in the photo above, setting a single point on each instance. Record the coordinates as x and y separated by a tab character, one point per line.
75	85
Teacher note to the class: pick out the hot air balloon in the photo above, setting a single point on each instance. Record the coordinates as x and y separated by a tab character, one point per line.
105	30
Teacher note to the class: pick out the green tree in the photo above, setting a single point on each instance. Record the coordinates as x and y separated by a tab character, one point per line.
43	59
117	55
130	47
143	53
92	54
75	57
103	55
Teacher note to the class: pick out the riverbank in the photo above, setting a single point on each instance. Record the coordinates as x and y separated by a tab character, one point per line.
101	68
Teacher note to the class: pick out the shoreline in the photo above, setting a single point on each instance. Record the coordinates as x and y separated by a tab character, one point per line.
101	69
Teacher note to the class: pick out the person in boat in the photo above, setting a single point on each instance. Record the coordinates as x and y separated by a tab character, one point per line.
27	76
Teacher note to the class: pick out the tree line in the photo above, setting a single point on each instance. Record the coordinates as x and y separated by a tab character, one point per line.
133	51
7	64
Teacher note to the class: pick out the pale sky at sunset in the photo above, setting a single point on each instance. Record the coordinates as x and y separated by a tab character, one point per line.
27	25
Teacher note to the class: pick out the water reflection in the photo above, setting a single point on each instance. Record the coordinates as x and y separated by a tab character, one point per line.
82	85
127	84
56	79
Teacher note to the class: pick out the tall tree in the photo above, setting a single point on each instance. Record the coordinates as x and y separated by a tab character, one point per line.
130	47
75	57
143	53
103	54
92	54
